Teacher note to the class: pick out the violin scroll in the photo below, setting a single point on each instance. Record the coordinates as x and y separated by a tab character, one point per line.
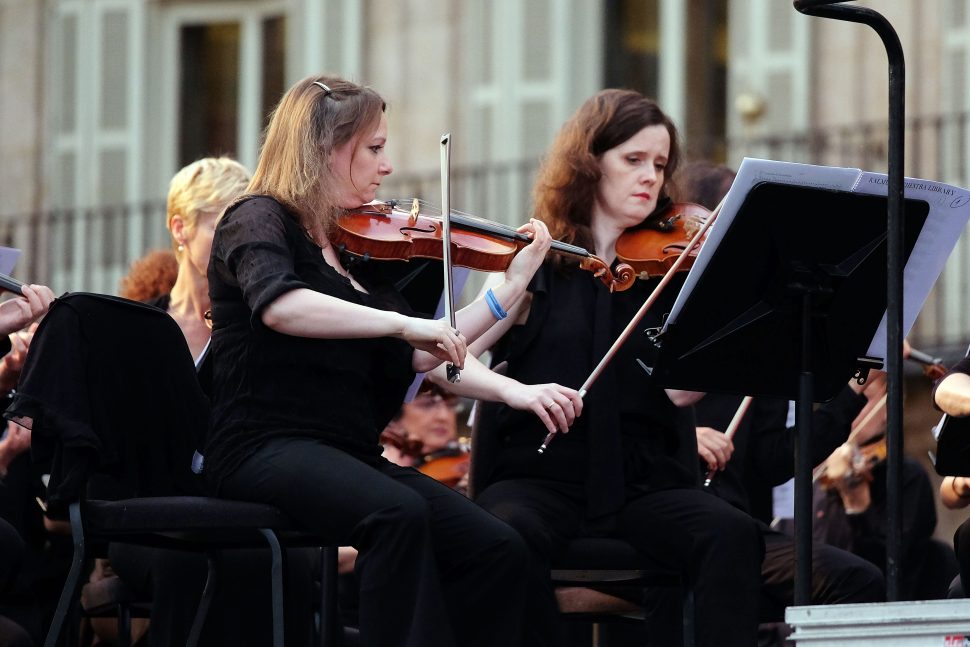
618	279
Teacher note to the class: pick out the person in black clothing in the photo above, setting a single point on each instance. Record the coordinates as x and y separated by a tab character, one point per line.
312	357
627	468
174	580
23	539
856	522
761	455
951	394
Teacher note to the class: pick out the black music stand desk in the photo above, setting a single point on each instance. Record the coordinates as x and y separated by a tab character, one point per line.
786	307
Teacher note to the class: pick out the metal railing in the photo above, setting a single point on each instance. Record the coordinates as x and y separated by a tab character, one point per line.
91	249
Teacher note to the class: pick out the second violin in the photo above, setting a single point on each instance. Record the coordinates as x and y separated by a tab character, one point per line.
652	248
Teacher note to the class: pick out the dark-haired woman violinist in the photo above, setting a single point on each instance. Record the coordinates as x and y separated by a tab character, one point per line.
628	466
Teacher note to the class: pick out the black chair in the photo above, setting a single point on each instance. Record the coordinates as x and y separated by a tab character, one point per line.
591	566
586	574
110	391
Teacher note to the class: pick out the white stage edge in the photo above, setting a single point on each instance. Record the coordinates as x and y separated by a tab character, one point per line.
930	623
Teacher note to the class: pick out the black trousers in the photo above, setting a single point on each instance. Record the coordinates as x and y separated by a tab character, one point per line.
838	576
961	545
434	568
718	547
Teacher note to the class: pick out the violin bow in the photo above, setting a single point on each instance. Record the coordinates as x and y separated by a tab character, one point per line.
454	375
611	353
732	429
11	284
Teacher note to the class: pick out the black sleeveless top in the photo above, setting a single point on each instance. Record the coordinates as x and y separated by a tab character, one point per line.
630	438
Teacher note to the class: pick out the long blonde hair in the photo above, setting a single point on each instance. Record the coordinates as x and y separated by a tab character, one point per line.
306	126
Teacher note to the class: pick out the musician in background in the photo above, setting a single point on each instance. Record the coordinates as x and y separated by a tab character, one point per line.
850	512
761	454
423	427
30	559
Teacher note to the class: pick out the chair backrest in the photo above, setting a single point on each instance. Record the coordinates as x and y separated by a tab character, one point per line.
111	388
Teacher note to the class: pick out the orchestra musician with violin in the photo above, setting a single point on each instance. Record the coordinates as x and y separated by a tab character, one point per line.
851	511
424	435
312	359
745	452
627	467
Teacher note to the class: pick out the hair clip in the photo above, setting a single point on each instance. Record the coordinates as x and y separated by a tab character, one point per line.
326	88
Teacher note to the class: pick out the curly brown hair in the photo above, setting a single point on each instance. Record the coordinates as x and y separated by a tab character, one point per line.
565	186
150	276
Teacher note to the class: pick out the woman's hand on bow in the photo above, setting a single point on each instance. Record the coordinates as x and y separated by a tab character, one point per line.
437	338
714	448
556	406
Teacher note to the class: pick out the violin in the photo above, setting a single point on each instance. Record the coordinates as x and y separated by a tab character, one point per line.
933	367
652	249
384	231
867	456
678	261
449	465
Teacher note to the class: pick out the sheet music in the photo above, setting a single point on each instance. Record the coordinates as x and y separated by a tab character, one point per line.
948	214
8	258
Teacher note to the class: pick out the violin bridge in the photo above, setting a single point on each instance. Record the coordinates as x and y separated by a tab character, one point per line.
415	210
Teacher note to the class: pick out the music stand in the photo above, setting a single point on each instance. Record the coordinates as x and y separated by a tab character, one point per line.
785	307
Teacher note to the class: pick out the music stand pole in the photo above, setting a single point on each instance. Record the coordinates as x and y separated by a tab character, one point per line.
894	282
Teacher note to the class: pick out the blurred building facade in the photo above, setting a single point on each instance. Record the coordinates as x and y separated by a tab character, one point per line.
102	100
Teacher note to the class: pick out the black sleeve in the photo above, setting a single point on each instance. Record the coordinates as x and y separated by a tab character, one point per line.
772	445
252	242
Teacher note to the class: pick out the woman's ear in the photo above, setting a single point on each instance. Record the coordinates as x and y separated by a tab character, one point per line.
177	227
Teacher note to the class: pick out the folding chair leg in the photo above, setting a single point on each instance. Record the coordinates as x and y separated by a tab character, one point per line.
277	585
73	583
211	582
688	611
330	629
124	625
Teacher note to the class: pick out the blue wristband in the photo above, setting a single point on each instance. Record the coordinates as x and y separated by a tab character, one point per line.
494	305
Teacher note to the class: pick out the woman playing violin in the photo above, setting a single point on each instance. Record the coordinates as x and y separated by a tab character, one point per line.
627	468
312	360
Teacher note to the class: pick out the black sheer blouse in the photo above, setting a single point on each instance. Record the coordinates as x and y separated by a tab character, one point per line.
267	384
630	438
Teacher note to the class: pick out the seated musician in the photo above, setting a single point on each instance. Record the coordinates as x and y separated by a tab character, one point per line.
761	454
177	282
26	557
852	513
622	470
311	359
424	429
952	396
